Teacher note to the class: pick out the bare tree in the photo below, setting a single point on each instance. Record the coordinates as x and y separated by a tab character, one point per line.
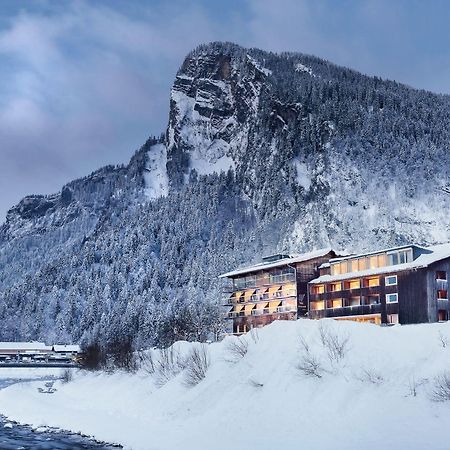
197	364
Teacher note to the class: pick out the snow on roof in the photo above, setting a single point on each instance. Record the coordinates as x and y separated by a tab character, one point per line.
281	262
66	348
436	253
376	252
23	346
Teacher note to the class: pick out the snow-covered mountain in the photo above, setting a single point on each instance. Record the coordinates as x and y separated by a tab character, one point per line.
263	152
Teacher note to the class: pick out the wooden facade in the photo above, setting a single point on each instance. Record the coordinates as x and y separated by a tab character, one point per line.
403	285
276	289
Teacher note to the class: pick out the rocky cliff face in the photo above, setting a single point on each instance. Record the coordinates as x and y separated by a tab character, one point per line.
262	152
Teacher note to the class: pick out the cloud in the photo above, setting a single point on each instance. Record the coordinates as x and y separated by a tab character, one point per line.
83	84
87	86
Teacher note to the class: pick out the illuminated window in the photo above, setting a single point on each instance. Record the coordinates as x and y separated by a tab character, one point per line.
442	294
336	303
335	287
391	298
362	264
373	262
391	280
370	282
316	306
318	289
335	269
352	284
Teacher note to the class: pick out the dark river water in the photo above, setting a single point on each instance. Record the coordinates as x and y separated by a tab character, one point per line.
15	436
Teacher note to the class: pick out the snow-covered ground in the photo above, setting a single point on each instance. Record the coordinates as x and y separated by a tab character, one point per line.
376	396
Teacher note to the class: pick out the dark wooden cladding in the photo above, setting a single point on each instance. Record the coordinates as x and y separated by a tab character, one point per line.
422	295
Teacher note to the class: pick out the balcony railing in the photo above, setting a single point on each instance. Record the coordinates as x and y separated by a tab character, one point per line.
259	298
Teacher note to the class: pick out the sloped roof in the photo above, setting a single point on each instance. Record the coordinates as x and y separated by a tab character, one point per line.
66	348
435	253
281	262
23	346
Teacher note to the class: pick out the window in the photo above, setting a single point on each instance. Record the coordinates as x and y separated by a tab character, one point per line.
391	280
336	303
400	257
362	263
373	262
335	269
442	315
442	294
335	287
371	300
318	289
317	306
370	282
441	275
391	298
352	284
352	301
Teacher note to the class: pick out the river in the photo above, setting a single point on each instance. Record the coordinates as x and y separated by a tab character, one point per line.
15	436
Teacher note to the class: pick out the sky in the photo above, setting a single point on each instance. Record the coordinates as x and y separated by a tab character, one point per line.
85	83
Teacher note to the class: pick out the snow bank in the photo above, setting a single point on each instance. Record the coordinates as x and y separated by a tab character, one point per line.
262	400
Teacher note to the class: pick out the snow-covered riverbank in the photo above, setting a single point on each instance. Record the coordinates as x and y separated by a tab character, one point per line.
377	395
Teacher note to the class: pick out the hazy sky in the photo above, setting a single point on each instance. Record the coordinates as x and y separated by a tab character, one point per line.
84	83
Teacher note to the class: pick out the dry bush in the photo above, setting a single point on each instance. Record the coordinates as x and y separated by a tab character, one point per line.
443	339
147	361
336	345
254	334
441	388
309	365
370	376
168	365
197	364
414	384
66	376
237	348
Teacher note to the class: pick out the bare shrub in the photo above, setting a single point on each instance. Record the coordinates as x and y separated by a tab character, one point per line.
168	365
197	364
309	365
237	348
414	384
443	339
336	345
147	361
66	376
441	388
370	376
254	334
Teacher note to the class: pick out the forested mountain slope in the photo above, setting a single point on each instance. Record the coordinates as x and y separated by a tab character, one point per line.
263	152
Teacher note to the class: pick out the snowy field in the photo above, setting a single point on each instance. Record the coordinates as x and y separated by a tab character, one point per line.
293	385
